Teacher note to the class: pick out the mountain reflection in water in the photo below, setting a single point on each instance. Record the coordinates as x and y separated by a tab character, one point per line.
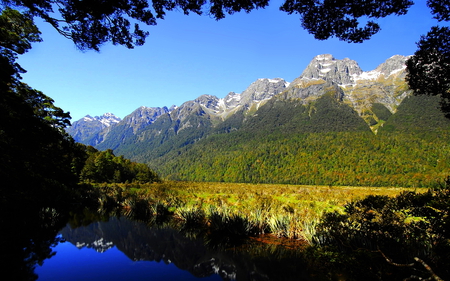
186	256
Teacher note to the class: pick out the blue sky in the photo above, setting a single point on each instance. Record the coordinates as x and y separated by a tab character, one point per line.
188	56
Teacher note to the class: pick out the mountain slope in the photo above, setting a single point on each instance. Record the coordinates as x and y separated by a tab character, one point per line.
287	142
90	130
360	90
319	129
190	122
417	114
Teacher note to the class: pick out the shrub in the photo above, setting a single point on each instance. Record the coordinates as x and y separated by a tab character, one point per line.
404	229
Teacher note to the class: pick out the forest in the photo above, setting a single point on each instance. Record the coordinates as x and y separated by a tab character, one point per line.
105	167
283	145
362	159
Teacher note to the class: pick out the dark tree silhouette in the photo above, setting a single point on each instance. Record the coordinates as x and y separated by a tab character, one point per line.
35	152
429	68
325	19
91	23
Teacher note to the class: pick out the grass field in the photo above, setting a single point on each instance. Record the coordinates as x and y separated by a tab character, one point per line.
289	211
369	235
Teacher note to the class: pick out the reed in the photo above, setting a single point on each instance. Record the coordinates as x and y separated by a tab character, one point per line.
191	216
239	210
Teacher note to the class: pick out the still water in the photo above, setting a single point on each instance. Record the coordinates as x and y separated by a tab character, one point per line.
122	249
78	263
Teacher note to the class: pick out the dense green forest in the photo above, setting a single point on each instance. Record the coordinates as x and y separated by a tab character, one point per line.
105	167
283	145
316	158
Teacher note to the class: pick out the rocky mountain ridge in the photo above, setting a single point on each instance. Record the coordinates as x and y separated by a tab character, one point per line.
382	87
87	128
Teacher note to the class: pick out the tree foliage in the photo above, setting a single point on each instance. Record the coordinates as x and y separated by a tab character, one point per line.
39	161
35	152
344	158
440	9
91	23
429	68
325	19
17	32
105	167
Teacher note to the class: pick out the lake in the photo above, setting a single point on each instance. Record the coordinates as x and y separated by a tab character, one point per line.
118	248
45	243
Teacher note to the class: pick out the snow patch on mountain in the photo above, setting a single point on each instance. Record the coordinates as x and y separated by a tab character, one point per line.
106	119
323	72
87	118
346	72
369	75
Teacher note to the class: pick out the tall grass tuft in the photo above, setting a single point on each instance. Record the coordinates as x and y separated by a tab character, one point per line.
309	230
258	220
191	217
279	225
222	220
137	208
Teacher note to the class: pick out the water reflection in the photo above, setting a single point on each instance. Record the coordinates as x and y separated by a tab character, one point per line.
163	244
26	239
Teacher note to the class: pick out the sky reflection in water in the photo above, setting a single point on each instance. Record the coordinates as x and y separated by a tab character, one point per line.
124	249
71	263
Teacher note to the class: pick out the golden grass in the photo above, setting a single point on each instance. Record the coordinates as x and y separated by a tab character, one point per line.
289	211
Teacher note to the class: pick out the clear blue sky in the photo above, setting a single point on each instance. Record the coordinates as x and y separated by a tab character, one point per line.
188	56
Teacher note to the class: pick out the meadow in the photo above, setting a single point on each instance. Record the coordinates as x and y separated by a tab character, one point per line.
371	233
237	209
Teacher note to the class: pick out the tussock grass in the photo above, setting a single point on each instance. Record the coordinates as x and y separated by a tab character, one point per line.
237	209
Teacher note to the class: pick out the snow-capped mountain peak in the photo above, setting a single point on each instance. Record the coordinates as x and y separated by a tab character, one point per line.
324	74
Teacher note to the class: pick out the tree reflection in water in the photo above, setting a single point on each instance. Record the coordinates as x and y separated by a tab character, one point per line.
30	234
26	239
197	253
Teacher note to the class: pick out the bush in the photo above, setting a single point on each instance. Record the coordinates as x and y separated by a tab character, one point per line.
409	229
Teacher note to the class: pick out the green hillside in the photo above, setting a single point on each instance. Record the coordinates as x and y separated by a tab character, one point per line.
417	114
358	159
326	114
324	143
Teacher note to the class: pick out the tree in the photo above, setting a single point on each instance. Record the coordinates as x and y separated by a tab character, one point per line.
90	23
17	32
104	166
35	152
325	19
429	68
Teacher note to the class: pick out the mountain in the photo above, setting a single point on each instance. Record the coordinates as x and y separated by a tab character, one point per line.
326	67
382	88
331	97
191	121
371	96
91	130
374	95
